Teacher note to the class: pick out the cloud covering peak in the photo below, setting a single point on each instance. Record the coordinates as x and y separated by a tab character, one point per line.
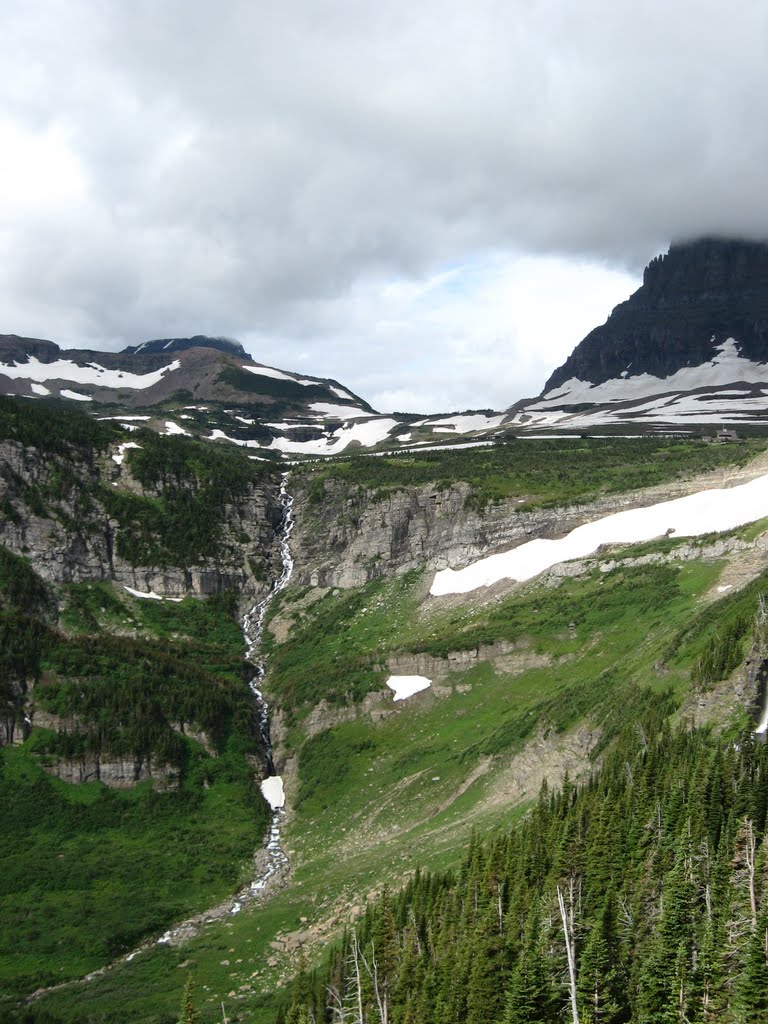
368	191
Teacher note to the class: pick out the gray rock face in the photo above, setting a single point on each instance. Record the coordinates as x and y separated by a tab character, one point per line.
353	536
692	299
66	543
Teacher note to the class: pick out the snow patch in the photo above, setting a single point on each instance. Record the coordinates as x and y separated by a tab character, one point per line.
268	371
343	412
407	686
92	373
174	428
121	450
709	511
462	424
367	434
66	393
219	435
150	595
103	419
273	792
39	389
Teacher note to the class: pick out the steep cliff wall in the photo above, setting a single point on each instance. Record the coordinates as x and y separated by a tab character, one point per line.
692	300
54	513
351	535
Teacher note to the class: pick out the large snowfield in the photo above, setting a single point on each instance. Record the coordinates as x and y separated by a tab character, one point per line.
65	369
733	396
709	511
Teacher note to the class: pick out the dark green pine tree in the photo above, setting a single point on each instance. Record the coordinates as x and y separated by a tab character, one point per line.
752	990
709	988
664	991
485	994
601	984
530	996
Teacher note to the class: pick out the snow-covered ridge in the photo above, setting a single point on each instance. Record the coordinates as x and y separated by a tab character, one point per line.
269	371
727	367
92	373
710	511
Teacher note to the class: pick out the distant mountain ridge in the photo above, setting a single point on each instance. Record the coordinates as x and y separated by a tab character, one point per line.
212	389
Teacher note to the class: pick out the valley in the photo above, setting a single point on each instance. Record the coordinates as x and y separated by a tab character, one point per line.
318	714
530	682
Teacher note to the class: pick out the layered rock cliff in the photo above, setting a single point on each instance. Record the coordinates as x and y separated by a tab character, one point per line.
353	534
55	517
692	300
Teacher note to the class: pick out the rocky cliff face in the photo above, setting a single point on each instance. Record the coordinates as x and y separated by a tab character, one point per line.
354	535
691	301
68	536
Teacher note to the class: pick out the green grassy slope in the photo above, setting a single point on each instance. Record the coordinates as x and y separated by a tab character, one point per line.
373	799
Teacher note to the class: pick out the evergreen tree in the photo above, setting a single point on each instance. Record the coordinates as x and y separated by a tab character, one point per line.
751	997
530	996
601	984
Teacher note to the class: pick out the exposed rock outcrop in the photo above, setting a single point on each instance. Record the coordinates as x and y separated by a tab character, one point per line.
691	301
354	535
71	537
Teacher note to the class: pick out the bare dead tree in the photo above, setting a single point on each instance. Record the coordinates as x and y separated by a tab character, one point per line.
570	952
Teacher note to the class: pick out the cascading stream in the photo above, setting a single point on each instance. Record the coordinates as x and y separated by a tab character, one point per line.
762	726
253	627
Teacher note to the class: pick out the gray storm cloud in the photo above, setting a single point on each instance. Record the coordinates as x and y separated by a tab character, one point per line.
272	171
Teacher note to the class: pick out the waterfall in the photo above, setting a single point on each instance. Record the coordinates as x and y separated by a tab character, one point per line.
253	627
762	725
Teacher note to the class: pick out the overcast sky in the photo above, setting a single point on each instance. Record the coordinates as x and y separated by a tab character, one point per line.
432	202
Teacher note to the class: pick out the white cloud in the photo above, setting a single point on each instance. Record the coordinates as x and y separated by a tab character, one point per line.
283	174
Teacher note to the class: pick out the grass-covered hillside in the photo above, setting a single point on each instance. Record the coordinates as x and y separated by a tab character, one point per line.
556	676
641	897
550	472
434	799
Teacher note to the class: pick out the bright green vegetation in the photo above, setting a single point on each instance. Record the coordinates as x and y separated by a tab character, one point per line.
187	486
377	799
88	871
338	646
542	472
93	607
134	695
660	860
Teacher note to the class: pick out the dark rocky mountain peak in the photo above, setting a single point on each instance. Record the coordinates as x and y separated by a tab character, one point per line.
692	300
171	345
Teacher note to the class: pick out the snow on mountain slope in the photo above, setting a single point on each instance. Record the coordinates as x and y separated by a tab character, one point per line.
710	511
367	434
727	368
726	389
268	371
93	373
